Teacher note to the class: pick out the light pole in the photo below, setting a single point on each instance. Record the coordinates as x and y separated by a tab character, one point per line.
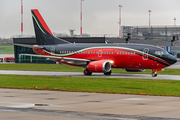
149	18
21	18
120	21
81	18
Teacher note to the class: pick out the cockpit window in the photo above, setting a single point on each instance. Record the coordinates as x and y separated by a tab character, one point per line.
161	52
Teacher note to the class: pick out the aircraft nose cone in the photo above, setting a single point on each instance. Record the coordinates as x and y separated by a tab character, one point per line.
172	59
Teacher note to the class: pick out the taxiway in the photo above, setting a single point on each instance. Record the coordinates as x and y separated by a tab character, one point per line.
39	104
80	74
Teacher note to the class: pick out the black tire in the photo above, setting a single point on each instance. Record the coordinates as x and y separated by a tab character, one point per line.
86	72
108	73
154	74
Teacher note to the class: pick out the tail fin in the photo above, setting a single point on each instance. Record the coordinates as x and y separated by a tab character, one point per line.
44	35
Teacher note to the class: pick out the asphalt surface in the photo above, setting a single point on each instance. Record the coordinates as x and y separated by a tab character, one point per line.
18	104
79	74
113	75
44	105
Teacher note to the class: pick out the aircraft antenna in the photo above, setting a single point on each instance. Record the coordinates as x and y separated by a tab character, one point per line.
21	18
120	21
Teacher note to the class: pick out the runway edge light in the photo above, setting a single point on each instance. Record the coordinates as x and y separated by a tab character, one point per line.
36	87
142	93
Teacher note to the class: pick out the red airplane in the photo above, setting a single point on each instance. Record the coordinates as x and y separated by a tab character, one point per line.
97	57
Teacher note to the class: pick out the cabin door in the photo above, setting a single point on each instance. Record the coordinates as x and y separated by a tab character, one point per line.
145	54
100	53
52	49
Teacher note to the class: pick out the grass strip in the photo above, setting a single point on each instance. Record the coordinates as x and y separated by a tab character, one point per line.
67	68
6	49
95	85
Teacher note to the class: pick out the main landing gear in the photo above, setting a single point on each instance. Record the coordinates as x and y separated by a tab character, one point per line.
86	72
154	74
108	73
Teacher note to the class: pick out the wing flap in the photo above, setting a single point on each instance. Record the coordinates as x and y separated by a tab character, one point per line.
76	61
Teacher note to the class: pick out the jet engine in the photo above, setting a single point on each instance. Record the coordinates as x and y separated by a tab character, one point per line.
134	70
99	66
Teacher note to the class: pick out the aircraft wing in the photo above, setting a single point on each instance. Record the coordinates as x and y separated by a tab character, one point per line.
76	61
29	46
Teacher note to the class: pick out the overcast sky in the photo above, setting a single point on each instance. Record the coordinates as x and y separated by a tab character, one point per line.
99	16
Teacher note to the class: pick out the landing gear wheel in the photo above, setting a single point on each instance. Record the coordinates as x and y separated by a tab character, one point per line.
86	72
154	74
108	73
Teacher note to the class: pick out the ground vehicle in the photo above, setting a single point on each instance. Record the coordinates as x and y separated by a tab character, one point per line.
9	59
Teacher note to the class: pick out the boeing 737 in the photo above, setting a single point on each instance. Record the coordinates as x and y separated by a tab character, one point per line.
97	57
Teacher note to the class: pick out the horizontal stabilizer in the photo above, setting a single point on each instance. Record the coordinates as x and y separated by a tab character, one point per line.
29	46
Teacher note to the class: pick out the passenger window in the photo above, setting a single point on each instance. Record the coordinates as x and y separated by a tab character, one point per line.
117	53
112	52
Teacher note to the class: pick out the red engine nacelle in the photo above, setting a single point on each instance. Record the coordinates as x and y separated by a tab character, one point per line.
99	66
135	70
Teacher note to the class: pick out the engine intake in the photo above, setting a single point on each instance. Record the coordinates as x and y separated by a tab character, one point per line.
99	66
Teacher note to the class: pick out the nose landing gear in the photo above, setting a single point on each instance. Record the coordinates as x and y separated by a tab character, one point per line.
154	74
154	71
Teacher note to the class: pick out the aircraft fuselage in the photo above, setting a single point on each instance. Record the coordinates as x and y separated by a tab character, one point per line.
123	55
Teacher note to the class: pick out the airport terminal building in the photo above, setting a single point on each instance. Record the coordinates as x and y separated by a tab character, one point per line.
164	33
19	50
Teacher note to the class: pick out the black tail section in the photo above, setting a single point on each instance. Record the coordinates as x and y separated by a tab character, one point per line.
44	35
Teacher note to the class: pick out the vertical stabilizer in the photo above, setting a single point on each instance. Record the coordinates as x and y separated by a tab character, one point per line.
44	35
